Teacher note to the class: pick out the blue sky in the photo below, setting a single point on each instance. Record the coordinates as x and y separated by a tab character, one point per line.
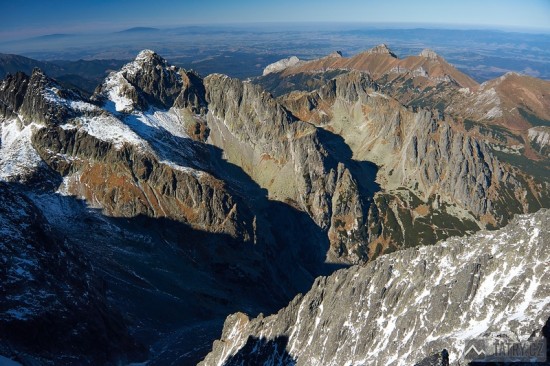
23	18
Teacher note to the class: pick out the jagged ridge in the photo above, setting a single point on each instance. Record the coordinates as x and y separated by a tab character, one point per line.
405	306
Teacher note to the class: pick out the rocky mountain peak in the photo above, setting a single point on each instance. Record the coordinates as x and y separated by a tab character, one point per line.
508	75
38	80
147	55
337	54
428	53
382	49
148	81
37	98
149	58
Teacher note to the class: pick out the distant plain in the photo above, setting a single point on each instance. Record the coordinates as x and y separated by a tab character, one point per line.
244	50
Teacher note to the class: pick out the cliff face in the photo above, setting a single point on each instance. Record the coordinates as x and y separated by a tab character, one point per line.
404	307
427	161
291	159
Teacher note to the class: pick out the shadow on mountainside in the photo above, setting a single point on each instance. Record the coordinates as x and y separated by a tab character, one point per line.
53	304
174	283
261	351
364	172
292	237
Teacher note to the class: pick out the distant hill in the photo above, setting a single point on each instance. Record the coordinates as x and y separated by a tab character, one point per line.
10	64
139	30
54	36
83	75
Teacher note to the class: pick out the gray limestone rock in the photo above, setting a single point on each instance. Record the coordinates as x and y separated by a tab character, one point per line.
281	65
382	49
405	306
428	53
288	157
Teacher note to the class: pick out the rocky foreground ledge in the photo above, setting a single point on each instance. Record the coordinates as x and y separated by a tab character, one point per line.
407	306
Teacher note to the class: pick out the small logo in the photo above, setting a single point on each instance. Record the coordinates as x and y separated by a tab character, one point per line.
474	350
504	349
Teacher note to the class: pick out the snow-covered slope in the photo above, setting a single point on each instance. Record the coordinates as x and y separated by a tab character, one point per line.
159	131
408	305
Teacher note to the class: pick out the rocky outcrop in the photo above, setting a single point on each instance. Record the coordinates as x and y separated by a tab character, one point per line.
281	65
539	138
12	92
349	232
382	49
428	53
335	54
438	359
34	98
410	306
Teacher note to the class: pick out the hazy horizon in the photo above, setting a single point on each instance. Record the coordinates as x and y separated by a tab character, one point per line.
33	18
265	26
240	38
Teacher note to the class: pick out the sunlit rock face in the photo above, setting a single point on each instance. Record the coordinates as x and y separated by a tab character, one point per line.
405	307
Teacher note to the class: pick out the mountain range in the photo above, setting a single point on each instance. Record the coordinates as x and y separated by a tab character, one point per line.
81	75
137	219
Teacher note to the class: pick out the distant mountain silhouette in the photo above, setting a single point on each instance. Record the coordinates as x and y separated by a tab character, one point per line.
139	30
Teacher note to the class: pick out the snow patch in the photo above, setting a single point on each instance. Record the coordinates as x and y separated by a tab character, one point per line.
52	94
494	112
107	128
115	86
487	100
18	157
